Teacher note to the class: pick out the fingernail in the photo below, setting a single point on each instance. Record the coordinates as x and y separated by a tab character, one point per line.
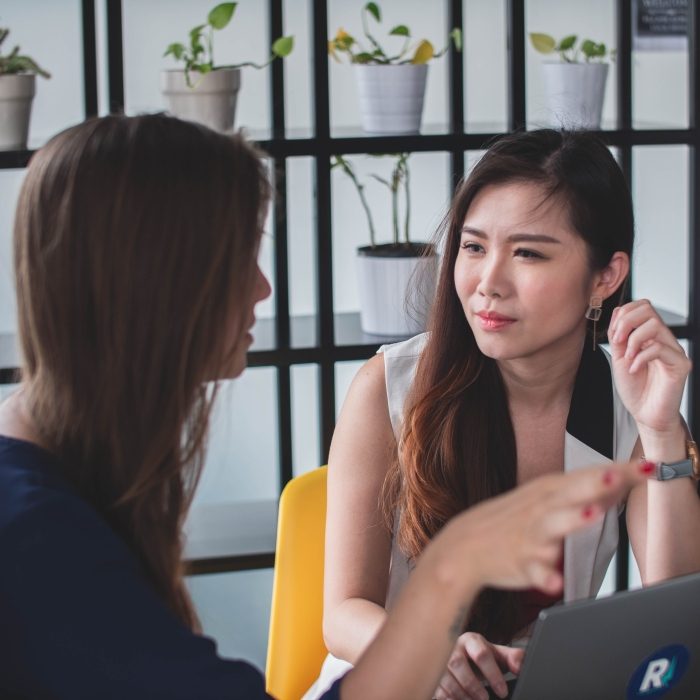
608	477
647	467
502	690
587	512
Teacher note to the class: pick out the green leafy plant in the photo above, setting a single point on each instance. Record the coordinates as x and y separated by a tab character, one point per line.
199	55
374	53
13	63
569	49
398	180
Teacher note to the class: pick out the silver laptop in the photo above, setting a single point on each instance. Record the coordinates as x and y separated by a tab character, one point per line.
629	646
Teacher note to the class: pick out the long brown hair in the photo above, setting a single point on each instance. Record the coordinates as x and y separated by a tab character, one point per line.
135	241
457	446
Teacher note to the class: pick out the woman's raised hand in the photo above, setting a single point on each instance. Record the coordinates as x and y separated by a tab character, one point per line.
649	366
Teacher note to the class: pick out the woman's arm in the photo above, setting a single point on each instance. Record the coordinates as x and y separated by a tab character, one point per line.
512	541
358	545
650	370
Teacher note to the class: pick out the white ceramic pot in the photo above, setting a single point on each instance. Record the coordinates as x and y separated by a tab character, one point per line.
16	95
391	97
396	290
574	93
210	101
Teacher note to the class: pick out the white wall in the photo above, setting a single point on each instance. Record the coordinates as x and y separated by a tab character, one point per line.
243	456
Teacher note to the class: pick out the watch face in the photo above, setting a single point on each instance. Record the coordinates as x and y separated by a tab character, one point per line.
694	456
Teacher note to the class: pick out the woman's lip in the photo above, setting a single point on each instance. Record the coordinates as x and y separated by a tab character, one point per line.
494	322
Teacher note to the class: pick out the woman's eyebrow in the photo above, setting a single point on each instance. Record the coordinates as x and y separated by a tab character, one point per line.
514	237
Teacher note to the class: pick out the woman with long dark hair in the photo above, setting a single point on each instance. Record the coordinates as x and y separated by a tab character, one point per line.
135	254
507	385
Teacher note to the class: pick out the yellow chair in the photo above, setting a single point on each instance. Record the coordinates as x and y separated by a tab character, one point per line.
296	649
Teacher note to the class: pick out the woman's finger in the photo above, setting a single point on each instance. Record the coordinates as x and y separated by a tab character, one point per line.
630	317
584	495
465	686
509	658
660	351
653	329
482	655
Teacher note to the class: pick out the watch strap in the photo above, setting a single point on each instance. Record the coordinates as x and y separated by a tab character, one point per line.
674	470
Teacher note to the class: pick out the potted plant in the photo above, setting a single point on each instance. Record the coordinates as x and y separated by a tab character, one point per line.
574	86
391	86
396	280
17	88
203	91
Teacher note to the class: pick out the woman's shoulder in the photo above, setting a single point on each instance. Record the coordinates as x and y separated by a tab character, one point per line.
40	511
411	348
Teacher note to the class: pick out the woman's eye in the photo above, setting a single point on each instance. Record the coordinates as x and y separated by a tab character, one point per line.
524	253
472	247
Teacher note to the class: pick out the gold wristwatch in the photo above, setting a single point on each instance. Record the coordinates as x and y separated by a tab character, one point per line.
690	466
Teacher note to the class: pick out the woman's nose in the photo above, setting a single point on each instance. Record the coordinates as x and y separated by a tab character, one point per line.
262	285
492	283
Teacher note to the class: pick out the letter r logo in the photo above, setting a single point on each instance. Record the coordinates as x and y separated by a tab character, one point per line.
653	678
659	672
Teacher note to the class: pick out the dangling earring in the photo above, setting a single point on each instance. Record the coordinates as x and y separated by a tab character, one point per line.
594	312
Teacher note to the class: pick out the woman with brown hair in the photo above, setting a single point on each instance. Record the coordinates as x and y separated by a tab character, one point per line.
506	386
135	254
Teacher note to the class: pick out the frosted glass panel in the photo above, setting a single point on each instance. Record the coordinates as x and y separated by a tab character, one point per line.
659	72
242	462
301	232
298	75
305	418
432	25
430	195
660	190
51	33
234	610
10	183
485	66
146	36
594	19
660	89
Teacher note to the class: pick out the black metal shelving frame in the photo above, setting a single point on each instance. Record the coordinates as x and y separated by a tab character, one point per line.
327	351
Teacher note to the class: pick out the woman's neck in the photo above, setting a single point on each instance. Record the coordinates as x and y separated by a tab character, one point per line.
15	422
545	380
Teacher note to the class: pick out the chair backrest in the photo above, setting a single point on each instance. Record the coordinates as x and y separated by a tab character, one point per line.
296	649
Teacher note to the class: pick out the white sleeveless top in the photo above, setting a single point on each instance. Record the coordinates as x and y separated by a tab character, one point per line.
599	430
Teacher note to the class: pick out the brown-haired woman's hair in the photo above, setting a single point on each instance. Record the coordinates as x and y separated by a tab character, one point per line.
457	446
135	247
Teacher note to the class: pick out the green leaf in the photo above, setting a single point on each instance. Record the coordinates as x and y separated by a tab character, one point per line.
456	36
567	42
363	57
196	32
175	50
400	30
591	49
221	15
283	46
373	9
542	42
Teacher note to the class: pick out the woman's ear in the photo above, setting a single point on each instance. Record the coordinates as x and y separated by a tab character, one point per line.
608	280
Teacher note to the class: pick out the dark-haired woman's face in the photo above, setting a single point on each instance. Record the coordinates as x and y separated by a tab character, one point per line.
261	290
522	274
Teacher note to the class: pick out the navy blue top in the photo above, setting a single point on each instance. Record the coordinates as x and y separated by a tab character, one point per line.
78	619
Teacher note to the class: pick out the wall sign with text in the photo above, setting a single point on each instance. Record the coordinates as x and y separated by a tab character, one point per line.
660	25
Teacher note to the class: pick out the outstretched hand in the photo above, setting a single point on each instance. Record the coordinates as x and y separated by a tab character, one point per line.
514	540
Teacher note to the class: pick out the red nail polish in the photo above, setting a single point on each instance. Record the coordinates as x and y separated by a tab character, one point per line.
587	512
647	467
608	477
